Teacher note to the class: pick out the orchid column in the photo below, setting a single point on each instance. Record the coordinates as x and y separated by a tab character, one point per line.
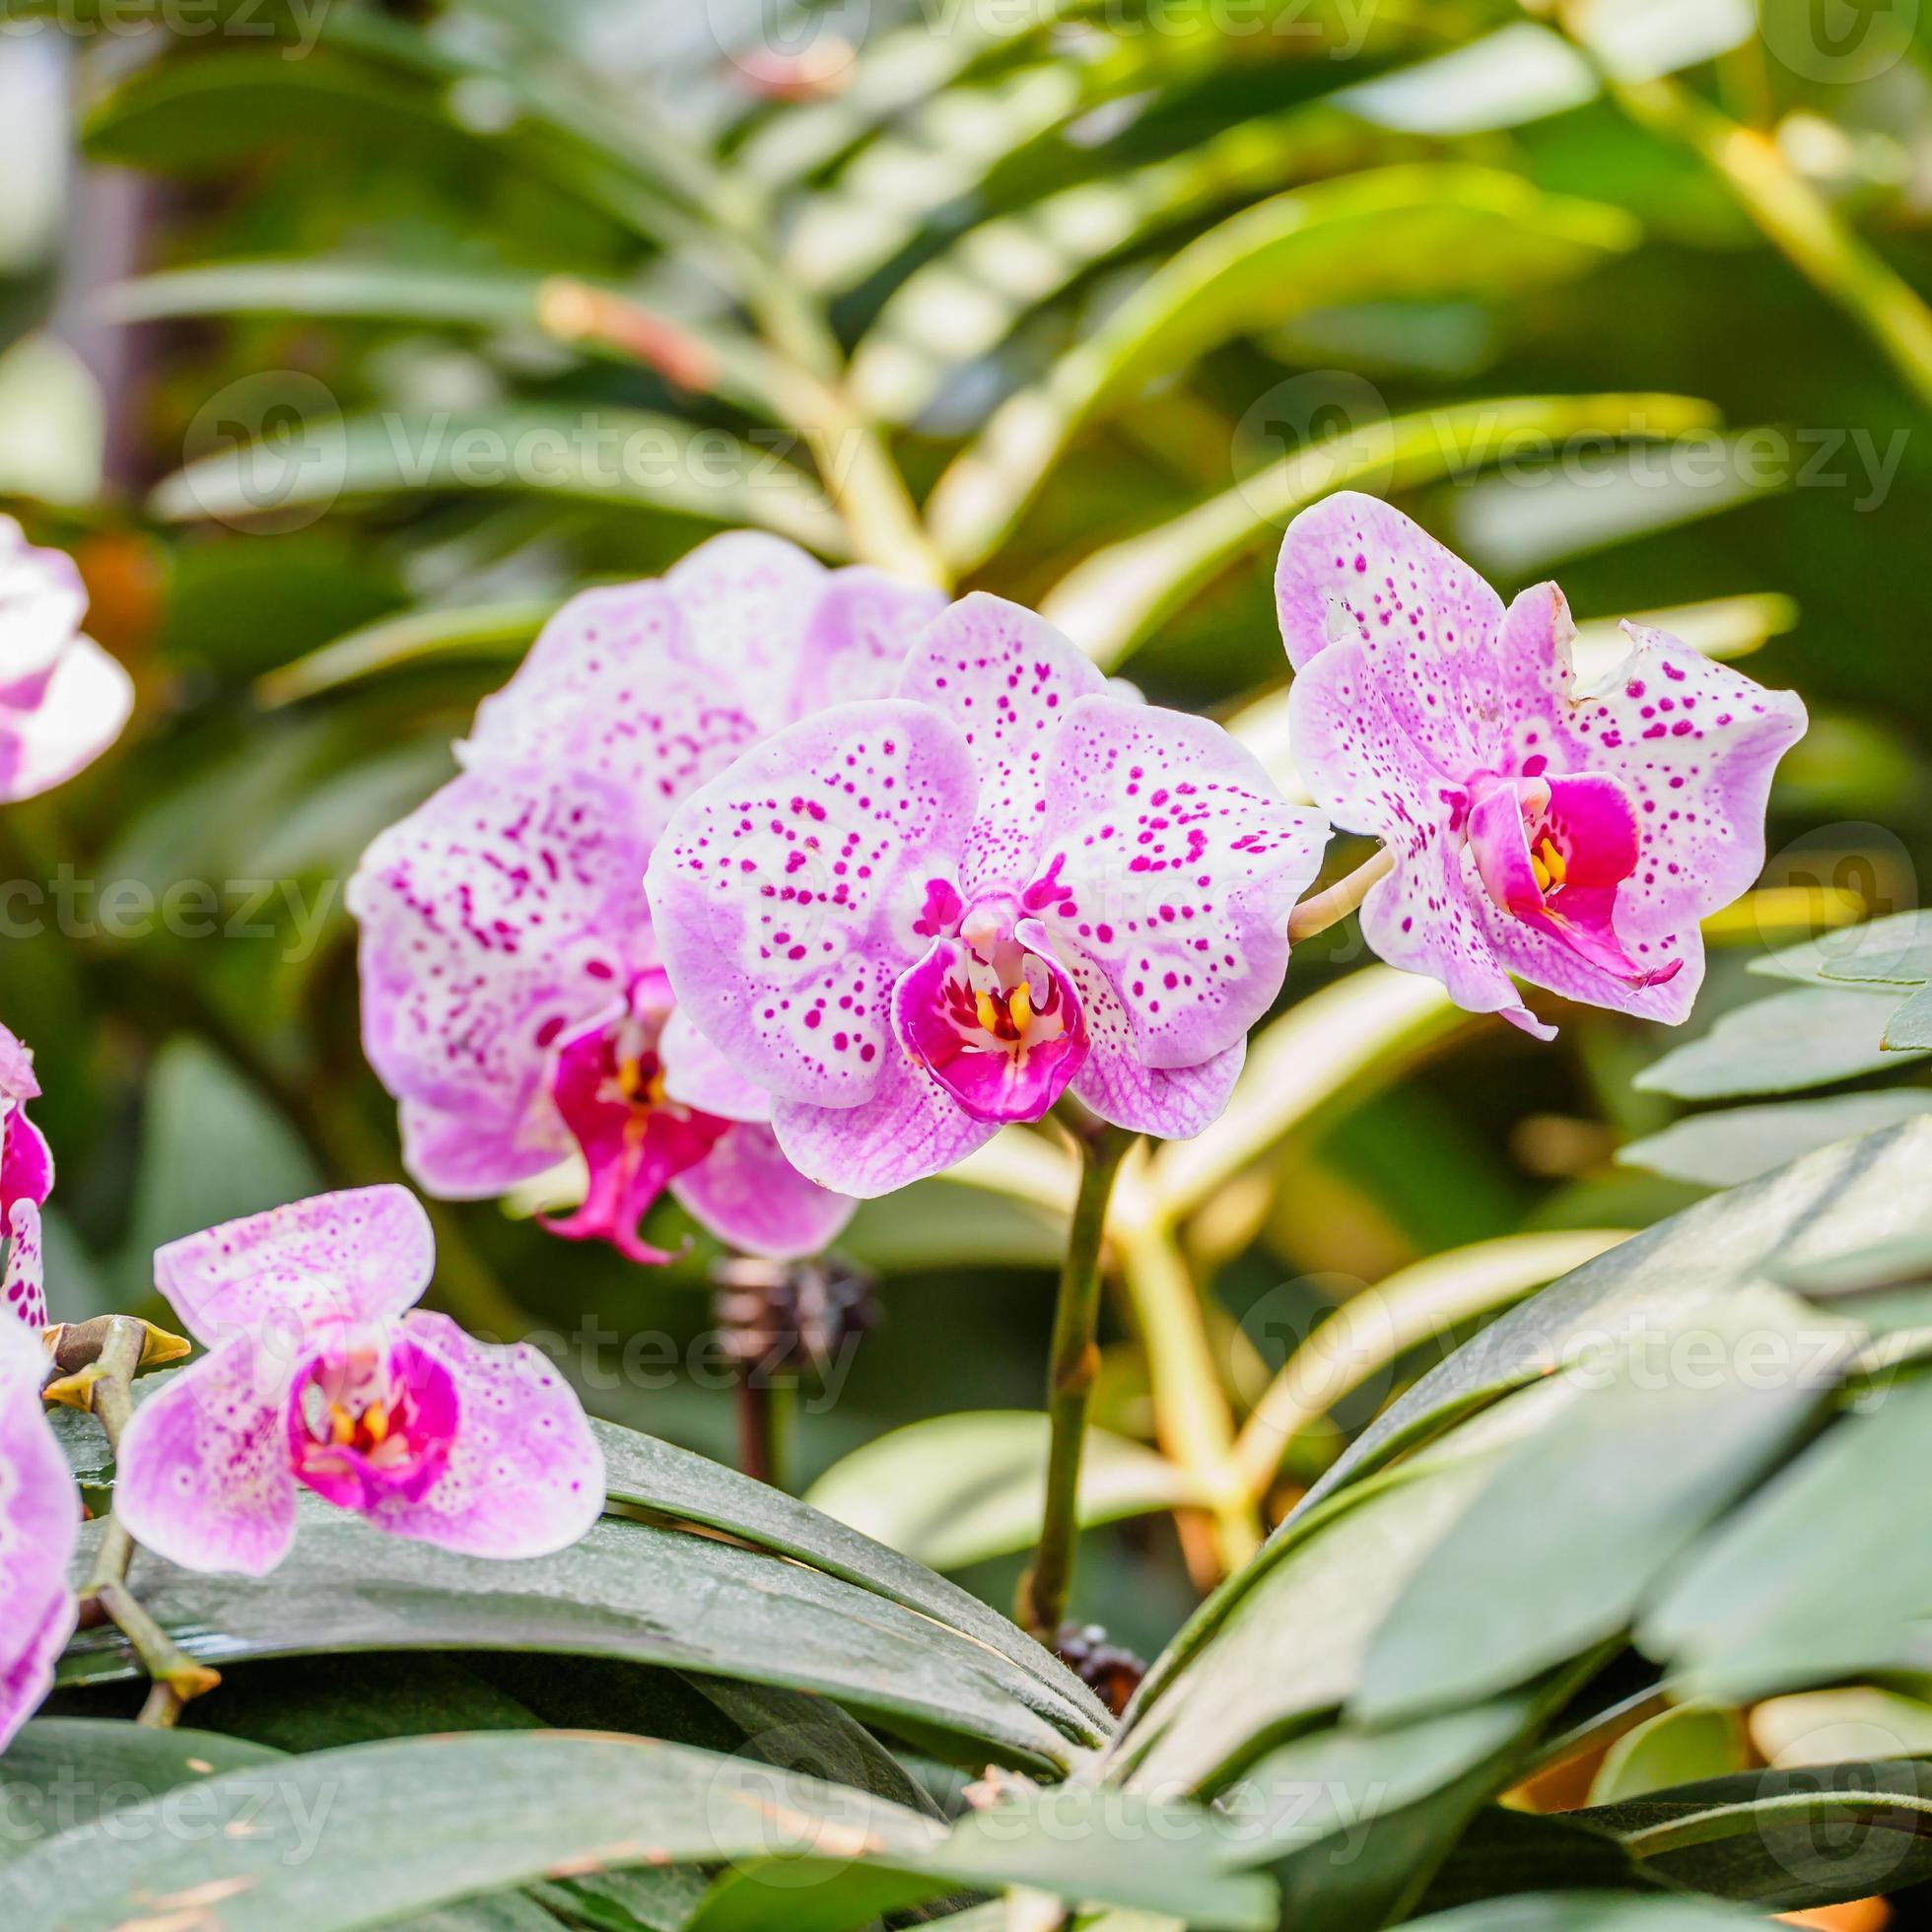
916	921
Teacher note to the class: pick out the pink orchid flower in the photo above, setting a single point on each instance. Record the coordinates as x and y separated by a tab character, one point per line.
25	1180
322	1374
40	1525
916	919
1573	838
63	700
513	999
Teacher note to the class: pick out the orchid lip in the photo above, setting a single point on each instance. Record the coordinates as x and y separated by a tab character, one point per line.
994	1017
371	1421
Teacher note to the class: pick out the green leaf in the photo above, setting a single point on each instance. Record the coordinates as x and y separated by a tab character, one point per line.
1739	1143
1835	1202
1830	1727
647	1474
1888	951
1285	1641
1826	1567
1808	1038
1117	597
492	633
957	1489
63	1773
330	1848
1785	1840
624	457
1557	1552
1583	1911
212	1150
1409	231
1676	1747
964	303
626	1591
1910	1030
550	306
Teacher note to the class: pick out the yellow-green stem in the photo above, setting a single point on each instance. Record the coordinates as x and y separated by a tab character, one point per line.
176	1677
1192	1418
1322	910
1075	1362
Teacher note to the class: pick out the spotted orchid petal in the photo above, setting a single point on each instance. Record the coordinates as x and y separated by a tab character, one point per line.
907	1127
697	1074
748	1193
1572	839
203	1476
26	1160
502	912
1008	680
855	642
613	688
521	1476
1171	862
22	1289
358	1256
787	893
39	1527
1174	1103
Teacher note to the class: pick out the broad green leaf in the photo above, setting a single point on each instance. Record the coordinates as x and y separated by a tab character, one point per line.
1883	951
1739	1143
647	1474
1785	1840
1826	1566
1119	596
1505	1851
1671	1424
61	1773
1910	1030
957	1489
332	1850
1407	230
695	355
626	1591
1371	1330
608	455
1284	1642
1811	1036
493	632
1834	1202
1676	1747
1588	1911
963	304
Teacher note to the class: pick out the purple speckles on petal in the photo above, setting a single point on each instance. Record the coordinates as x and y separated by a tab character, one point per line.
39	1526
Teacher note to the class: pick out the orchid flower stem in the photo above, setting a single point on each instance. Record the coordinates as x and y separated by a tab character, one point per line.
1192	1418
765	1413
1075	1361
176	1677
1322	910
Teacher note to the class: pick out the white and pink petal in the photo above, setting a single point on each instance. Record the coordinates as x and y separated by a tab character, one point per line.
787	893
749	1195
